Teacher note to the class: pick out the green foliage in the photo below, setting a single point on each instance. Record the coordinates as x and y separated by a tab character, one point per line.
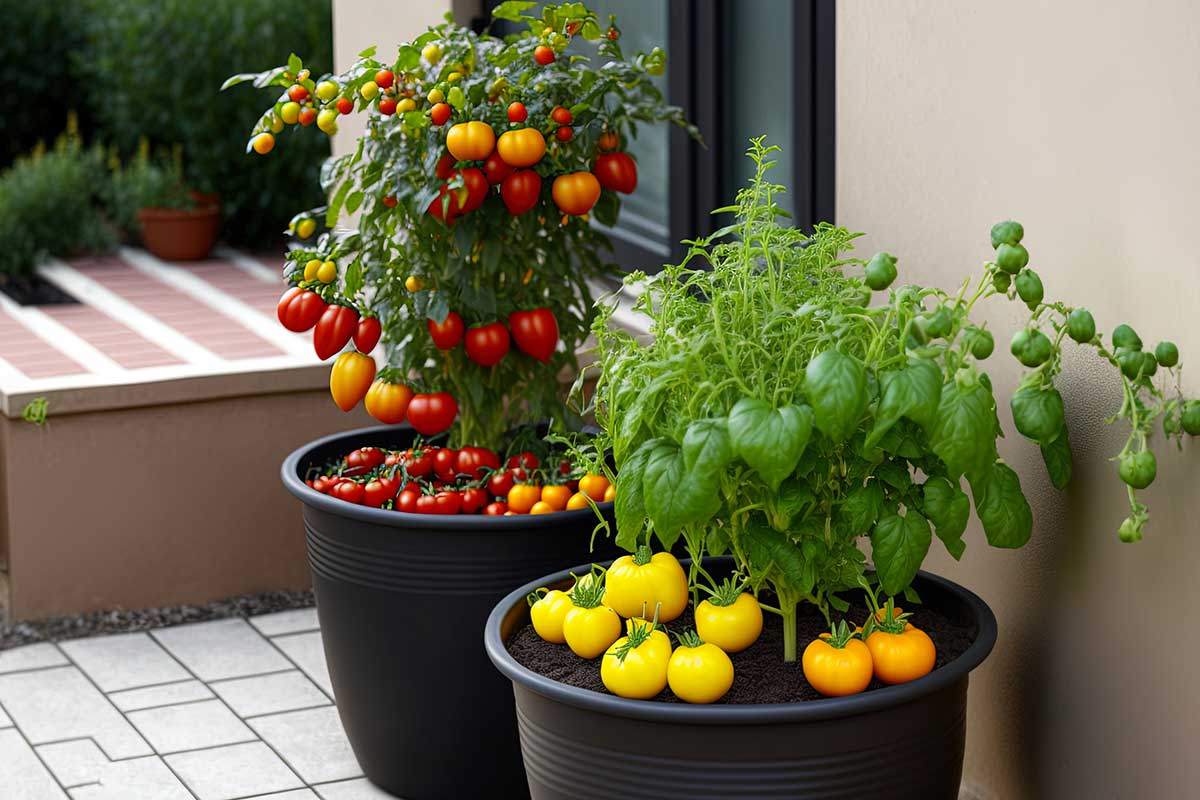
141	183
835	400
153	67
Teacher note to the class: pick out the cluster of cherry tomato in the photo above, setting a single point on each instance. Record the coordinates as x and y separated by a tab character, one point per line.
889	648
470	480
535	333
649	590
300	105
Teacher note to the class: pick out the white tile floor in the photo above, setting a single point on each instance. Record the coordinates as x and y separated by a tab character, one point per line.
210	711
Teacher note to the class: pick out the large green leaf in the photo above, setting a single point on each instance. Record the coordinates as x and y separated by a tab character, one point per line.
1057	455
898	546
629	507
707	447
911	392
964	435
862	507
1001	505
770	440
673	495
836	386
948	508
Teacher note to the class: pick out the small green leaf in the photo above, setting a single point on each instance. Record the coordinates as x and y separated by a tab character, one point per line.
911	392
1001	506
898	546
862	507
368	53
964	435
836	385
773	556
1057	455
949	509
354	201
1037	413
335	205
770	440
629	507
295	64
513	10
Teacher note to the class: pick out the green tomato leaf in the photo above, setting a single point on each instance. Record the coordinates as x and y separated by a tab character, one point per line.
773	557
793	499
1057	455
707	447
673	495
898	546
948	508
836	385
1001	505
911	392
513	10
629	506
964	434
770	440
862	507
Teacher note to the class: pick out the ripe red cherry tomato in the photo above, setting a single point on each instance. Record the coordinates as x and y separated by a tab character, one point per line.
562	115
474	461
387	106
345	105
363	460
473	500
521	191
543	55
349	491
443	208
526	460
477	187
445	167
617	171
366	335
496	169
440	114
390	200
308	116
297	93
420	463
445	502
535	332
299	309
334	329
407	499
496	509
499	483
565	134
385	78
517	112
378	492
445	463
487	344
448	333
430	414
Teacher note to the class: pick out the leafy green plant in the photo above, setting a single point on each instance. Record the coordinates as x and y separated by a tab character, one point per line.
145	183
783	409
428	250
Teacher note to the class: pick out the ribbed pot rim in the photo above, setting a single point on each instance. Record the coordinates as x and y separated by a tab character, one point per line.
290	474
749	714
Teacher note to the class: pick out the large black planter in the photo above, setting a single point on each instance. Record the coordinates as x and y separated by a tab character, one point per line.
402	599
897	743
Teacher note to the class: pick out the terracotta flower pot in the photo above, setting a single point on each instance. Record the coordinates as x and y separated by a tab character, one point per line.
176	234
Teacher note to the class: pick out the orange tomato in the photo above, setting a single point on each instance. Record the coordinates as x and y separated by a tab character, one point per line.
594	486
388	402
542	507
610	494
556	495
576	192
521	148
608	141
350	378
471	141
263	143
837	671
901	657
578	500
522	496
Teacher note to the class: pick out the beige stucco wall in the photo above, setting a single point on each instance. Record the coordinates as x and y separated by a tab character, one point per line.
1079	119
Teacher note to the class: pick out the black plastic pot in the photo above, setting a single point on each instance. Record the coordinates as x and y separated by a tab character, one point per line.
402	599
897	743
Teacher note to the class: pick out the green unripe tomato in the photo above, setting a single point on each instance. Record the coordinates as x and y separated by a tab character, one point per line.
326	90
1138	469
1001	280
1012	258
1149	364
1130	531
456	98
880	271
1007	232
1037	413
979	342
1167	354
1190	418
1029	288
937	323
1081	326
1130	361
1125	336
1031	348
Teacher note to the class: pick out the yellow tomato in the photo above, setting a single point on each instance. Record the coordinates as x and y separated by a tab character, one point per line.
521	148
369	90
405	105
432	53
836	666
326	90
276	124
657	633
640	584
436	96
306	228
575	193
327	120
454	77
578	500
542	507
610	494
350	378
699	672
327	273
590	631
594	486
547	614
636	666
901	657
413	283
289	112
388	402
263	143
732	627
471	141
556	495
311	269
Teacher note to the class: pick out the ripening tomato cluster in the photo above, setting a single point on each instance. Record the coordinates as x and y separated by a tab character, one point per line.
648	591
303	102
890	648
535	333
471	480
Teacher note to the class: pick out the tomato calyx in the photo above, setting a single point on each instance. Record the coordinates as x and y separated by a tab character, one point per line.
885	619
840	635
727	592
638	632
689	638
588	591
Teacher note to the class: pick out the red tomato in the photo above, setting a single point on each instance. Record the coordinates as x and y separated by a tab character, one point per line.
517	112
562	115
440	114
363	460
390	201
323	484
299	309
366	335
445	167
419	464
521	191
387	106
535	332
345	105
308	116
385	78
445	463
575	193
443	209
487	344
430	414
473	500
378	492
499	483
445	502
496	169
297	93
477	187
474	461
447	333
617	171
496	509
543	55
407	500
526	460
334	329
519	474
608	141
565	134
349	491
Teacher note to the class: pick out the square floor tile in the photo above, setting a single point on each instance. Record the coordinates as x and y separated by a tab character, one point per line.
51	705
225	648
241	770
124	661
308	652
270	694
31	656
166	695
298	620
22	776
190	726
312	742
358	789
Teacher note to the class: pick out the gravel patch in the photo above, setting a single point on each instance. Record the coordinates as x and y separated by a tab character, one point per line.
57	629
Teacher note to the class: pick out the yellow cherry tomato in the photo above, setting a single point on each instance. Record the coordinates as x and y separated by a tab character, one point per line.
311	269
432	53
594	486
610	494
547	614
369	90
542	507
454	76
523	147
901	657
578	500
699	672
591	631
837	664
326	90
556	495
413	283
642	583
327	273
522	497
263	143
405	105
289	112
732	627
436	96
276	124
327	120
471	141
636	665
350	378
306	228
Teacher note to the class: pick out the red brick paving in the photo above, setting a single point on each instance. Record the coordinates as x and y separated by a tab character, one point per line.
117	341
30	353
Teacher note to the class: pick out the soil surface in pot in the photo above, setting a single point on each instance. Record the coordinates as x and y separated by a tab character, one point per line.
760	673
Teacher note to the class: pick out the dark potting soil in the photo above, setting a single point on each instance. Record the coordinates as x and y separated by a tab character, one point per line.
760	675
57	629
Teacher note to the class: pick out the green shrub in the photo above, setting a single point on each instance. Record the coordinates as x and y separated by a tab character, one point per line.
144	183
155	68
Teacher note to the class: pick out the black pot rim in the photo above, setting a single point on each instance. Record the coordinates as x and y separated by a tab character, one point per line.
290	475
682	713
